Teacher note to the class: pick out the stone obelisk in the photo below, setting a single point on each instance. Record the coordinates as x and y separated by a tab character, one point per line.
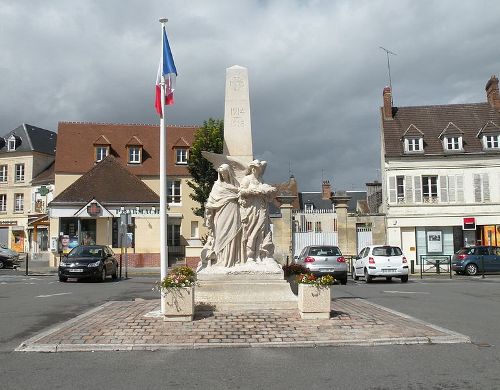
237	125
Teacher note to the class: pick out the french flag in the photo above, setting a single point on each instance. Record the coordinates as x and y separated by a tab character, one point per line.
167	72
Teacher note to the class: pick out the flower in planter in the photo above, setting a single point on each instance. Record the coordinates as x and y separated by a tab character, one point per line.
294	269
177	277
308	278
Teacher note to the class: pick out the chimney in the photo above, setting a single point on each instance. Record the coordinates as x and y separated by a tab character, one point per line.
387	103
326	190
492	93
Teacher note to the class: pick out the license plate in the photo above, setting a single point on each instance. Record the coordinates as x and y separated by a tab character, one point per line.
76	270
389	270
327	269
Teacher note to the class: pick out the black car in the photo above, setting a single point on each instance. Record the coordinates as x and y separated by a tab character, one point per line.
88	261
474	259
8	258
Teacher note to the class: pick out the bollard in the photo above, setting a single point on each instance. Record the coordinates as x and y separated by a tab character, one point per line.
412	266
438	268
26	264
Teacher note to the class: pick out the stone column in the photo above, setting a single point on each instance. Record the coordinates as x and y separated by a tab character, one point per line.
282	235
340	200
237	124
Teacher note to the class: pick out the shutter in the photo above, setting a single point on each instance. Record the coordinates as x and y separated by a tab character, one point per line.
451	189
460	188
477	188
443	184
392	189
408	189
486	187
418	188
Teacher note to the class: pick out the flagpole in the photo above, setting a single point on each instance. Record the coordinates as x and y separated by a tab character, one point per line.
163	175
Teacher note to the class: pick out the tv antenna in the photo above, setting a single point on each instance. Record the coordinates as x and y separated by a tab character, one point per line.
388	63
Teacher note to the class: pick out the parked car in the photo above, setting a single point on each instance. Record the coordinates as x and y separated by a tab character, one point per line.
88	261
380	261
8	258
324	260
471	260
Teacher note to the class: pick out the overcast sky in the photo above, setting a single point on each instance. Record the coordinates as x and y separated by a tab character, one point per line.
315	67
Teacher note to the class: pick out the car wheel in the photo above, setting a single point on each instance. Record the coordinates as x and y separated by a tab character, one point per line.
102	276
404	278
114	276
471	269
2	264
388	278
63	279
368	278
354	276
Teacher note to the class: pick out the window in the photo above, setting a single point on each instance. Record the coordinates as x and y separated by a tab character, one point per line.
195	232
18	203
317	227
19	172
400	187
429	188
3	203
308	207
490	142
100	153
134	154
414	145
174	192
11	144
3	173
181	156
453	143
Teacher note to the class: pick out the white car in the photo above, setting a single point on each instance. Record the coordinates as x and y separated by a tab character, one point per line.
380	261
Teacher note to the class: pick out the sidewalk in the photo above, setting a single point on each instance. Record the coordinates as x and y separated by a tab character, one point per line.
138	325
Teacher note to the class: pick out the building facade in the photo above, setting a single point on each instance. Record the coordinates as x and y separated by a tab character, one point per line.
26	153
105	170
441	175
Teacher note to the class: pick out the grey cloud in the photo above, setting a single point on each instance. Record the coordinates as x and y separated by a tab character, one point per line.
316	70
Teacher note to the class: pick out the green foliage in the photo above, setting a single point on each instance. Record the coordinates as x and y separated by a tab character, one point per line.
209	138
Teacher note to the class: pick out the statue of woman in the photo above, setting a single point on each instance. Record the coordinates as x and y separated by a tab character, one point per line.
223	220
254	197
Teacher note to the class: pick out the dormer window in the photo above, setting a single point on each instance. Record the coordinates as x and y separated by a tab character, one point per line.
181	156
101	152
11	143
413	145
453	143
309	207
134	154
134	150
491	141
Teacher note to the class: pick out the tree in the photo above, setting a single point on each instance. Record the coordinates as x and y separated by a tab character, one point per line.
209	138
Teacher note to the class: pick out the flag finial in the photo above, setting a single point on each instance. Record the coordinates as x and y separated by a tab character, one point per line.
163	20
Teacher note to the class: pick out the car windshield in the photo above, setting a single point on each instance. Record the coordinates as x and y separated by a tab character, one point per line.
386	251
85	251
325	251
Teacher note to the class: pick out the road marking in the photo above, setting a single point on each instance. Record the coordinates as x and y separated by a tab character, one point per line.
406	292
51	295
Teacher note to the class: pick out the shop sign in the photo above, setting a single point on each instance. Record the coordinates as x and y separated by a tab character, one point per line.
469	223
139	211
8	223
93	209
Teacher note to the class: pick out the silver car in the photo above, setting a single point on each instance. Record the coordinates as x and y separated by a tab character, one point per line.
324	260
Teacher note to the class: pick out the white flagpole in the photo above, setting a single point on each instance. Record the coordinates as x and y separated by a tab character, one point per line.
163	174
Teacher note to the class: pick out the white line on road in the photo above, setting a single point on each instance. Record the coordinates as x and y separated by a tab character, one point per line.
51	295
406	292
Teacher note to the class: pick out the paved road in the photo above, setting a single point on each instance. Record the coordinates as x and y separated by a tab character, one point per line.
470	306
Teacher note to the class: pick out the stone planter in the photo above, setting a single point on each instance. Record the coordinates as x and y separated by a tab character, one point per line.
314	301
178	304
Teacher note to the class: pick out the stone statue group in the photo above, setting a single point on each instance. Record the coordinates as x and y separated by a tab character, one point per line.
236	214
